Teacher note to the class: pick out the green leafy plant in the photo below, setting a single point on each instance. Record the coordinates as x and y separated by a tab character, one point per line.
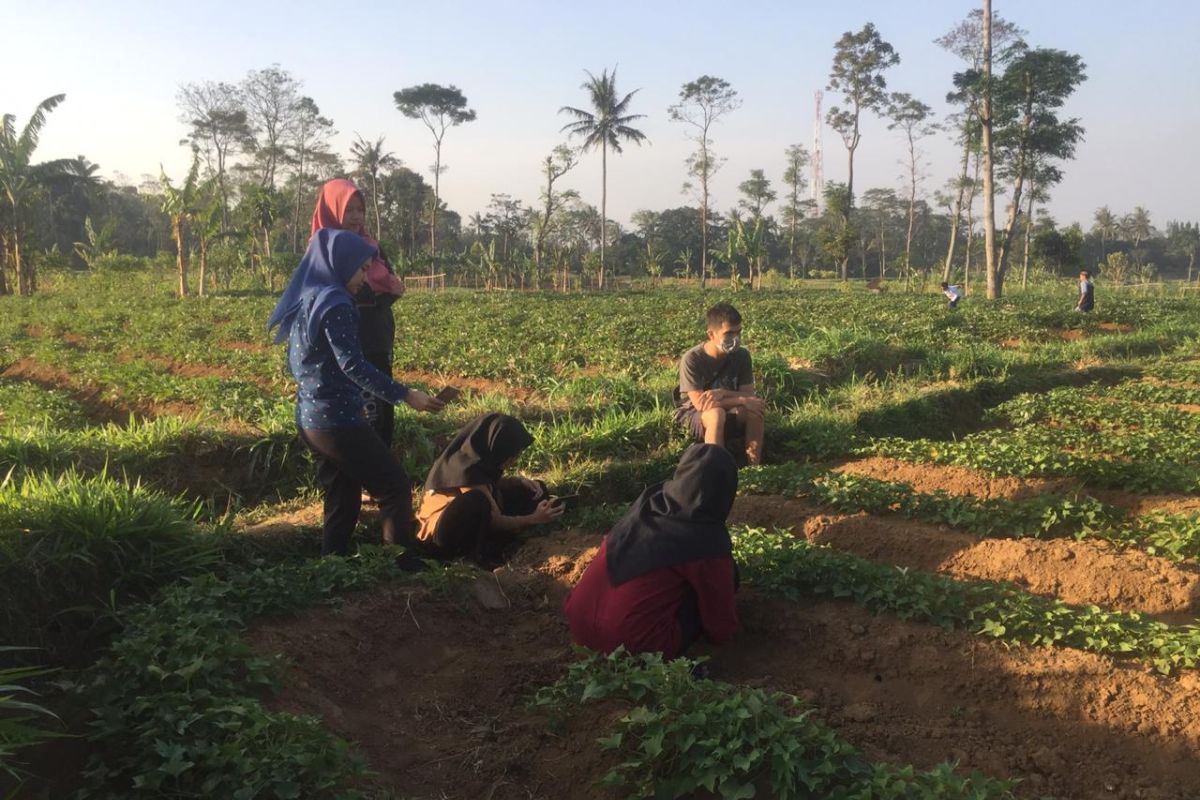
176	703
681	735
779	563
21	719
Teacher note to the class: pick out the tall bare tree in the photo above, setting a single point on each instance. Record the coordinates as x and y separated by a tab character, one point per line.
271	97
965	40
216	116
307	139
859	61
995	281
912	118
558	163
440	108
702	103
793	176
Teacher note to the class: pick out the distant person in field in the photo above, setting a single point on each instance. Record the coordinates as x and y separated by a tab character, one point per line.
664	575
953	293
1087	293
470	507
340	206
318	317
715	397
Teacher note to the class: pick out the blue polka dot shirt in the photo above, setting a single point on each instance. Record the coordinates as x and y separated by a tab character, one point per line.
332	374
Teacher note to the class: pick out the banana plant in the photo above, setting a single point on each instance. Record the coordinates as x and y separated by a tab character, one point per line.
751	244
179	204
98	242
654	262
486	263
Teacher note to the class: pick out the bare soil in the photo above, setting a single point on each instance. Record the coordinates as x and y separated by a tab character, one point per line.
433	690
476	385
961	481
1076	572
966	482
1067	723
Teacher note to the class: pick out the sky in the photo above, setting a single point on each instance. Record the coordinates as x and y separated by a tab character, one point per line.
121	63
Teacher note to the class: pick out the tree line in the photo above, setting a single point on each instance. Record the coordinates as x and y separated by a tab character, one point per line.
261	148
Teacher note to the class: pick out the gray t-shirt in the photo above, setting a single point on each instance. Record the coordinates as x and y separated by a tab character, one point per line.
699	372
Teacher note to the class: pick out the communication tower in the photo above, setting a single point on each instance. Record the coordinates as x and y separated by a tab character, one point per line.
816	187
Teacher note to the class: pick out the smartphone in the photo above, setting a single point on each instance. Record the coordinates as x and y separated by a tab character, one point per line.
448	394
561	500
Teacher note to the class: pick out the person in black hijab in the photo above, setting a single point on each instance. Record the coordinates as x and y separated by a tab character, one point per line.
665	572
470	508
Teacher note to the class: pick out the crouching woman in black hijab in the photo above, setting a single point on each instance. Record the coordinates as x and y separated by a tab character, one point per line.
665	573
469	507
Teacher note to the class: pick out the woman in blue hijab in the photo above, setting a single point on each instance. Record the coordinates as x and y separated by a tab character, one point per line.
317	317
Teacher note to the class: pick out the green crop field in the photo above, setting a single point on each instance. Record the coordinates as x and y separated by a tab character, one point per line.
970	558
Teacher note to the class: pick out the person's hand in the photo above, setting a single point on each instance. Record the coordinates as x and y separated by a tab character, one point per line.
705	401
546	512
420	401
533	486
753	405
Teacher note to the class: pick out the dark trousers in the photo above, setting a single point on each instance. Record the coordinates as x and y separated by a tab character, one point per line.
380	413
465	526
688	617
691	627
348	461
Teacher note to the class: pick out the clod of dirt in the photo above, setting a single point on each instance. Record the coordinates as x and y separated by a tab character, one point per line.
490	595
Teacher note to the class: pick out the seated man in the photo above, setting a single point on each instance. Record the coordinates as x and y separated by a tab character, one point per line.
716	386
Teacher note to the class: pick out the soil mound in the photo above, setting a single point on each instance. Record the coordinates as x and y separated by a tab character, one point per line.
1080	573
929	478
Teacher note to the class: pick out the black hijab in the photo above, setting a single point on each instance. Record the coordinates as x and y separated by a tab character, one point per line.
476	455
677	521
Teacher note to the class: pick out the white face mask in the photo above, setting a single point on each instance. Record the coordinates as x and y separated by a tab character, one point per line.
729	343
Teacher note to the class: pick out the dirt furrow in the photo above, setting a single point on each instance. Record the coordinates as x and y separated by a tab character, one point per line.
96	409
1067	723
1076	572
432	690
962	481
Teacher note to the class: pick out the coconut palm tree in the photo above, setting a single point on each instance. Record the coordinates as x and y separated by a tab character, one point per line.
1139	225
370	159
20	179
607	125
1107	225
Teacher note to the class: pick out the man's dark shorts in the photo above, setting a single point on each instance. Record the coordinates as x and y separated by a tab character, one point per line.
735	426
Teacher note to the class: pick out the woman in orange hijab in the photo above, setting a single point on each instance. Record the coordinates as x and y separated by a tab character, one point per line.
340	205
